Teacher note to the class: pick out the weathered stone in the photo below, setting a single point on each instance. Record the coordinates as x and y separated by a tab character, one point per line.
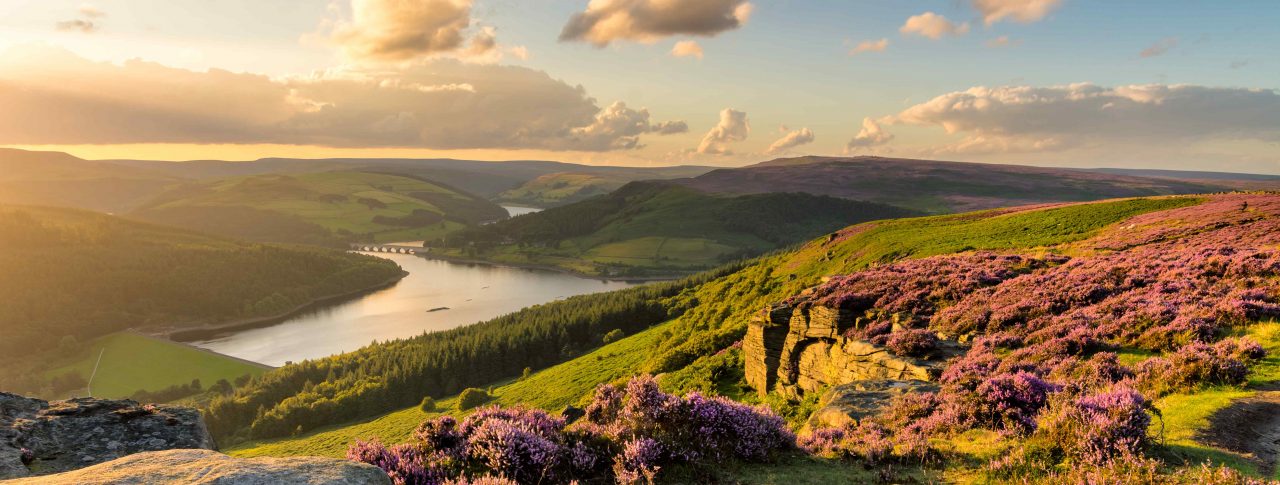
211	467
67	435
801	347
850	403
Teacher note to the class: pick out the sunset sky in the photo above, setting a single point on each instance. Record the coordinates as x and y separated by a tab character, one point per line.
1137	83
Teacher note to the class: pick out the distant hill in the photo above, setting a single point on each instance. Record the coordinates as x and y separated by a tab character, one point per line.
59	179
563	188
323	208
69	276
1188	174
935	186
658	227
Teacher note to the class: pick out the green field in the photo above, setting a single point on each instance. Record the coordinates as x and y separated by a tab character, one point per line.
132	362
321	207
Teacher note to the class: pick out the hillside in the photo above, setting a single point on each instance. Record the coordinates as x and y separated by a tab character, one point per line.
937	187
1067	252
655	228
563	188
320	208
59	179
71	276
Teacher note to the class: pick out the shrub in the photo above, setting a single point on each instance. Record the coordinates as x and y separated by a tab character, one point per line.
631	433
614	336
1011	401
472	397
1195	365
1098	428
427	405
912	342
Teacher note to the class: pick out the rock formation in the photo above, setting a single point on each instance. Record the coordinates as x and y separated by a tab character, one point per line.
39	437
210	467
849	403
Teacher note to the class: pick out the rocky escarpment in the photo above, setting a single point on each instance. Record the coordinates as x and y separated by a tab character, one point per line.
210	467
797	347
39	437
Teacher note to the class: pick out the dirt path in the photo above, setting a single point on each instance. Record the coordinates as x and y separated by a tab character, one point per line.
1250	426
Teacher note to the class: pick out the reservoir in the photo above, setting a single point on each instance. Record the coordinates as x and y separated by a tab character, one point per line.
437	295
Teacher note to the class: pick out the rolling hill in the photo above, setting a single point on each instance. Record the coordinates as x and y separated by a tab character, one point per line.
937	187
70	276
563	188
658	228
1040	292
59	179
324	208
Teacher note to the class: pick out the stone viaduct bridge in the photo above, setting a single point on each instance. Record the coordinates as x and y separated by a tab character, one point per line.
385	248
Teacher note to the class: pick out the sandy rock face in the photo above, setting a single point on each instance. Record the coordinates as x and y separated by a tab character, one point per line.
211	467
39	437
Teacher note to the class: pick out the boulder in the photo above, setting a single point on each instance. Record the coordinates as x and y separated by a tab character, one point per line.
799	346
850	403
211	467
66	435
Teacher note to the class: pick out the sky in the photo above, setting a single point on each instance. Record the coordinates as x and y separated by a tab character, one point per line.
1082	83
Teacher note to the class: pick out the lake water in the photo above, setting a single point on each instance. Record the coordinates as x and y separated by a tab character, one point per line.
471	292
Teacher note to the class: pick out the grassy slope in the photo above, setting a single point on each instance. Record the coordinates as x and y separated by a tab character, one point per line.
727	303
132	362
331	201
72	273
656	228
558	189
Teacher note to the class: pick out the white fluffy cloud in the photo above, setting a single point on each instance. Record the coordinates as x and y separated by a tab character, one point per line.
870	46
1025	118
871	134
397	30
933	26
618	127
687	48
605	21
791	140
733	127
1024	11
441	104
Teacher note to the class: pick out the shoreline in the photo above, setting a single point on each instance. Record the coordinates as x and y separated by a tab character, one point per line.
543	267
185	335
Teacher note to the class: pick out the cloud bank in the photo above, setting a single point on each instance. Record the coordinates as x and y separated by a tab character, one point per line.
440	104
1025	118
606	21
398	30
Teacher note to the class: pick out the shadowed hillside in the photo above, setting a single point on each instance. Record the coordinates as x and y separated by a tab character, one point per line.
59	179
936	187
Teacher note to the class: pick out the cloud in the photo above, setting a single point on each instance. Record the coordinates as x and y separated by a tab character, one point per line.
933	26
870	46
791	140
733	127
90	11
647	21
869	136
85	23
1026	118
1159	48
1024	11
77	25
687	48
1002	41
399	30
438	104
618	127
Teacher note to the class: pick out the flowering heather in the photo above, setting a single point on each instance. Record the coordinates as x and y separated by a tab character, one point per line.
630	433
912	343
1041	330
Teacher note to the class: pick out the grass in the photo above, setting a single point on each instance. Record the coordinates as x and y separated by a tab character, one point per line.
338	202
1186	415
551	389
132	362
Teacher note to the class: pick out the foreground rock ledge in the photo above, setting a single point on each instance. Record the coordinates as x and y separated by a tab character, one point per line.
211	467
66	435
